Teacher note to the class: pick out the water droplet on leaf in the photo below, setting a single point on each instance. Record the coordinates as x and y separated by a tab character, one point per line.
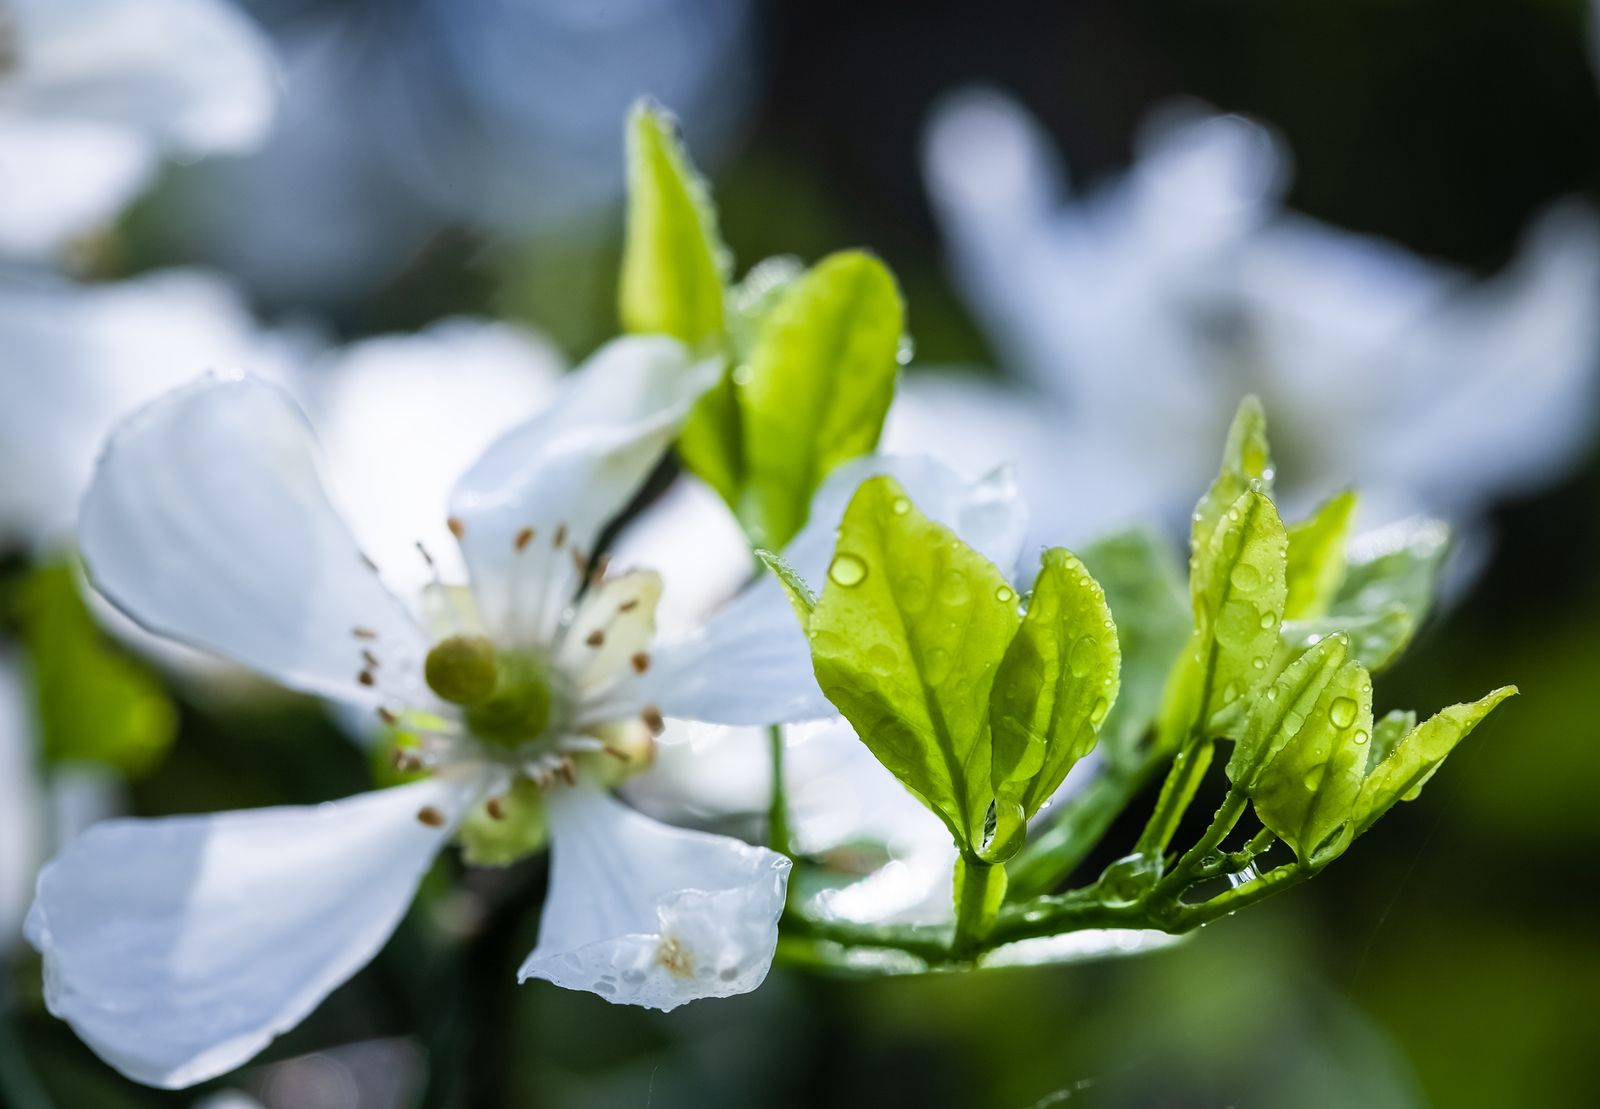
847	570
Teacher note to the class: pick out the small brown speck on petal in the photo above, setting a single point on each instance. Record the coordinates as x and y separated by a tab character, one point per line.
596	638
524	537
431	816
652	719
496	808
641	662
457	526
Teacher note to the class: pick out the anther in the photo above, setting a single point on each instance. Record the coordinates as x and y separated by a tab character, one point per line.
652	719
524	537
579	563
457	527
496	808
601	565
629	605
561	537
363	633
641	662
615	752
568	770
367	678
388	716
406	762
370	659
431	816
596	638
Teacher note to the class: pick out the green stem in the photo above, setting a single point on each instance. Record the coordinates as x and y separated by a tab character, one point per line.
778	807
979	887
1050	858
1193	866
930	943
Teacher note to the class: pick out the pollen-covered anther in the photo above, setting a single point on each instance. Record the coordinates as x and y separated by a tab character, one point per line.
430	816
495	807
674	958
406	762
367	678
523	538
596	638
629	605
653	719
457	526
560	537
568	769
388	716
641	661
363	633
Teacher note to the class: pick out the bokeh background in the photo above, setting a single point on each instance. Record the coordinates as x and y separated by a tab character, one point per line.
435	157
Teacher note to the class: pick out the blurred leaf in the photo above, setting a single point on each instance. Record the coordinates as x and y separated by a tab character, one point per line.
1418	755
1306	791
1317	557
1055	685
1386	593
1376	639
1142	589
753	299
906	639
1387	734
815	389
673	263
94	702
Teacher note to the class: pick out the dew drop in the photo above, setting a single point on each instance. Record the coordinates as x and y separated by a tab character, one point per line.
1342	712
901	506
1272	693
953	590
743	374
1230	693
1267	620
1360	737
1259	663
847	570
1098	710
1314	776
883	659
1005	595
1245	577
1082	657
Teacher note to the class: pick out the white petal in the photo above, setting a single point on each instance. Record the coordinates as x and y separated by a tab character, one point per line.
206	521
178	948
196	75
82	357
565	474
645	914
400	417
613	626
61	178
20	832
751	664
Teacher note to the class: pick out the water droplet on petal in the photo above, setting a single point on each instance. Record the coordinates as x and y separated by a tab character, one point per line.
1342	712
847	570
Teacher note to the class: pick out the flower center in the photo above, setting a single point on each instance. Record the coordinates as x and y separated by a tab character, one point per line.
509	698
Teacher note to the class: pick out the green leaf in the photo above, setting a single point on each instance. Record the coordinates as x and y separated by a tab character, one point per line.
1246	465
94	703
1317	557
1283	708
1387	734
754	298
815	389
1417	755
1142	588
1306	792
794	587
1386	593
1237	589
906	639
1056	684
673	263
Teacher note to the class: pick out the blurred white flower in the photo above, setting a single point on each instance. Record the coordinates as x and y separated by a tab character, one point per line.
404	118
1137	314
177	948
94	92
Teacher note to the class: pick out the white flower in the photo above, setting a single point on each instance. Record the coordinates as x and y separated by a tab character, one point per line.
178	947
92	92
1140	312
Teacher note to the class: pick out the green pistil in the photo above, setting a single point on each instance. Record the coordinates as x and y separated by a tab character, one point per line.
522	703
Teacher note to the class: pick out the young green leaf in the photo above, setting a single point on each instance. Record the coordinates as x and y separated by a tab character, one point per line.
1246	465
1237	588
1054	687
815	388
1376	639
906	639
94	703
1142	588
1283	708
673	263
1387	734
1415	757
1317	557
1306	792
1386	593
794	586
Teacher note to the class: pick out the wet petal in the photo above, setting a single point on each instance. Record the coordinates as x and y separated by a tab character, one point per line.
533	506
611	631
751	664
179	948
645	914
206	522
